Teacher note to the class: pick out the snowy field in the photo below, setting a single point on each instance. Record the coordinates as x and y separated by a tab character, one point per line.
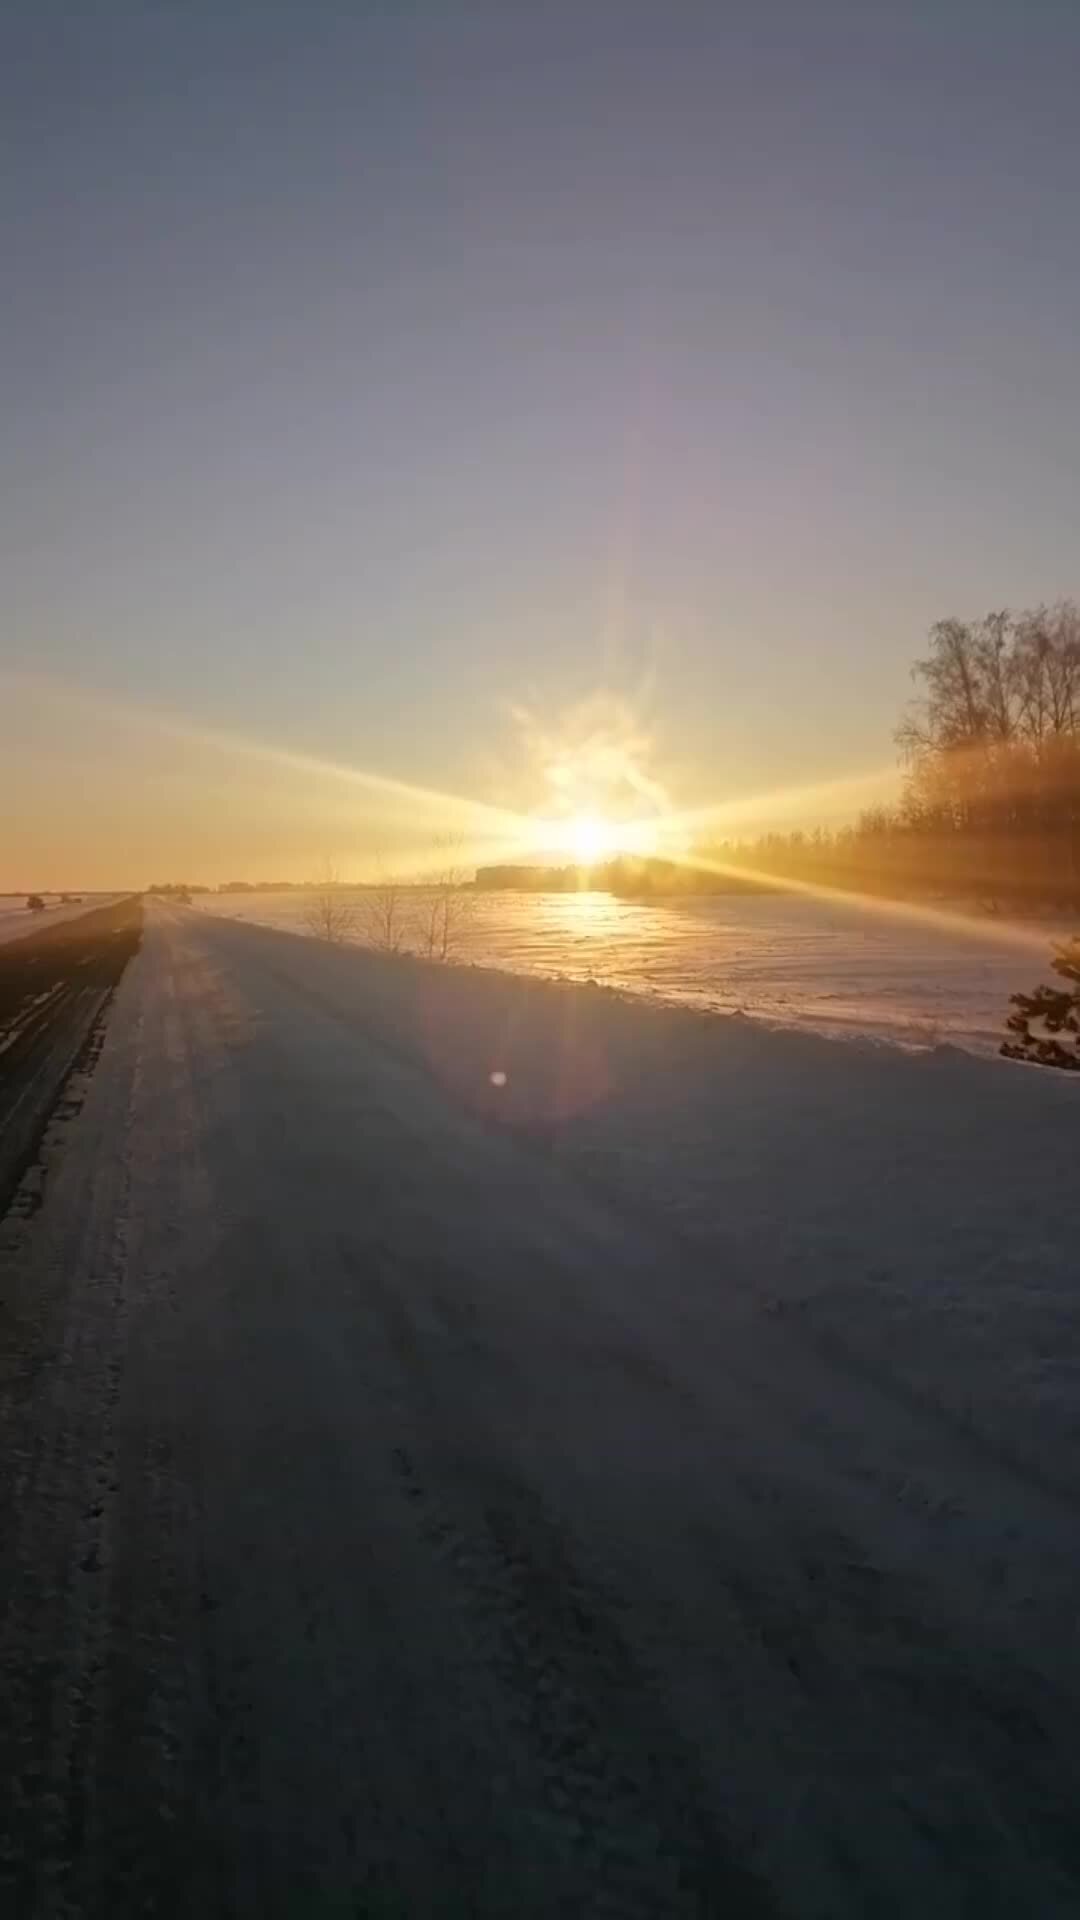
16	921
864	972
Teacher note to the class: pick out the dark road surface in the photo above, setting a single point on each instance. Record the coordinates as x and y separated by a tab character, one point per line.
390	1527
54	981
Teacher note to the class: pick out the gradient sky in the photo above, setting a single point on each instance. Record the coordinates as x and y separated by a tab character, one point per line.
411	386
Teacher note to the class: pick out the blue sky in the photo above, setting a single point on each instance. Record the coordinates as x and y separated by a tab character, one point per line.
370	371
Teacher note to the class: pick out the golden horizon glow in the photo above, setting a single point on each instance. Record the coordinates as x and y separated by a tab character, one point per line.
589	839
1007	933
235	805
289	810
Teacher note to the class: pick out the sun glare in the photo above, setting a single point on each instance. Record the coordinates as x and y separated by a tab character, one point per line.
590	838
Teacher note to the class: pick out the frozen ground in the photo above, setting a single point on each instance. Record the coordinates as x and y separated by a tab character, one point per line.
15	920
480	1446
847	971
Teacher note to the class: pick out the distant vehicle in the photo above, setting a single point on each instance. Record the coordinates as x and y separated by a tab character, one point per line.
71	899
35	903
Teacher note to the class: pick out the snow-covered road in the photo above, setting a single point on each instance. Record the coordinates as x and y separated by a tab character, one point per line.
396	1524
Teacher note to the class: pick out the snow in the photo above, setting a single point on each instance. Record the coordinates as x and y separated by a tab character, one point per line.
581	1453
846	971
16	920
920	1209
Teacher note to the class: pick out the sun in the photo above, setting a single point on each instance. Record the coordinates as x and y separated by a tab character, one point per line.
590	838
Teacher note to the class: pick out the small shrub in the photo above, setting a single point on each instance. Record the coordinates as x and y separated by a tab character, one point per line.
1046	1024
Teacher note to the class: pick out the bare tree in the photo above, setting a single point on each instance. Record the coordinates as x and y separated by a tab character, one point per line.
384	915
965	695
1047	653
328	913
448	908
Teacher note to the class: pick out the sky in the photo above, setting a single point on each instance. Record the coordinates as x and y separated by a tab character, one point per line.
501	400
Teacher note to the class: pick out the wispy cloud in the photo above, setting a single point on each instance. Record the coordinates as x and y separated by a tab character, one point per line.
597	755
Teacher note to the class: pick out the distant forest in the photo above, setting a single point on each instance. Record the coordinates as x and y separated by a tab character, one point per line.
990	807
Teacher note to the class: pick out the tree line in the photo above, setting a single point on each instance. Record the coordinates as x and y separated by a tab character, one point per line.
990	806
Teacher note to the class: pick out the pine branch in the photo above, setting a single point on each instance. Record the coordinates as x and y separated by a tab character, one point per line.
1056	1011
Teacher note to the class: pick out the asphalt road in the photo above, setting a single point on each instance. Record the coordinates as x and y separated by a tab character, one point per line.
392	1526
53	985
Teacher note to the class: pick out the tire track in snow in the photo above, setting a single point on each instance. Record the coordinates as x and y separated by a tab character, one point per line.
618	1815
